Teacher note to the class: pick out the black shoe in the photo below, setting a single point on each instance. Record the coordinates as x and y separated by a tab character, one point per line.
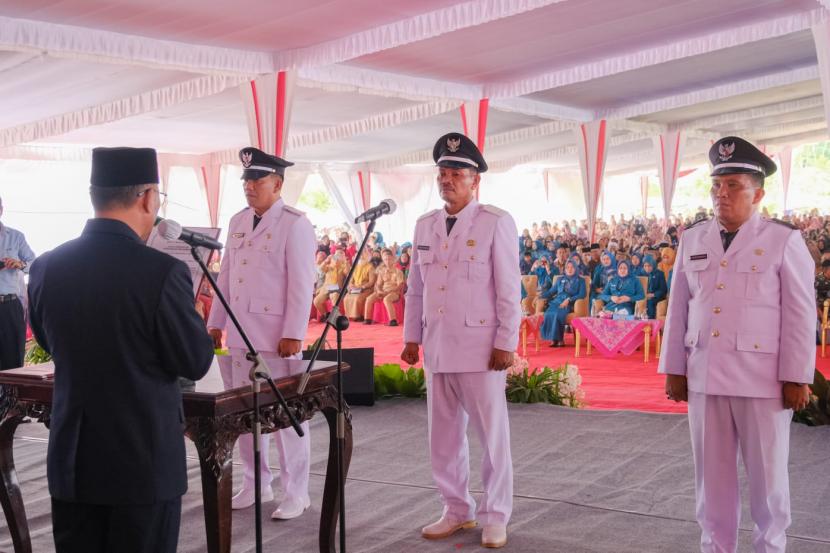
367	322
393	322
358	319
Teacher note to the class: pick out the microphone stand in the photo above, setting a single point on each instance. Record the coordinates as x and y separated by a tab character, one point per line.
340	323
259	370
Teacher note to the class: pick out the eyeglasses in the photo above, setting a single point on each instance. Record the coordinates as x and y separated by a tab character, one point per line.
162	195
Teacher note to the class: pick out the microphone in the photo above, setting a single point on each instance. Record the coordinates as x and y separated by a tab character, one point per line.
383	208
171	230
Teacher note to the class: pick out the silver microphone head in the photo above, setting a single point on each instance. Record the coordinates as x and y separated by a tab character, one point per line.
169	229
392	205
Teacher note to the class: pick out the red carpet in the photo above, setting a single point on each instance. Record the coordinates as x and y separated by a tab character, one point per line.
622	382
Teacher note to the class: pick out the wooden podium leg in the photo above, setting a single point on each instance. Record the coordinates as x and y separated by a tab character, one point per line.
524	340
576	340
330	511
10	496
646	343
216	463
587	346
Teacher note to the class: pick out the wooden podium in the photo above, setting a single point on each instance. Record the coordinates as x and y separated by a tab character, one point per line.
214	419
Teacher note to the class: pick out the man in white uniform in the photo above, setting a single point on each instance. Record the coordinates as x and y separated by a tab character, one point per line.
463	306
268	275
740	348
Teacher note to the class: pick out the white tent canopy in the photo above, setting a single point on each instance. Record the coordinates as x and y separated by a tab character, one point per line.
378	82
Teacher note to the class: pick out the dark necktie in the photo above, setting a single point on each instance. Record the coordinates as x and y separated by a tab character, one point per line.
726	238
256	221
450	222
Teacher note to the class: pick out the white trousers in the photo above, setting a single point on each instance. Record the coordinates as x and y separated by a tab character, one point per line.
453	400
721	426
294	451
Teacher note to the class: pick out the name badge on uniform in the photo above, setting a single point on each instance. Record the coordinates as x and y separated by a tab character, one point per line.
471	243
423	248
238	235
698	257
759	251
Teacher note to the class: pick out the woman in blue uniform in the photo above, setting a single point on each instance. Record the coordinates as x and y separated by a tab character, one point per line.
561	298
579	265
657	288
603	273
622	291
637	265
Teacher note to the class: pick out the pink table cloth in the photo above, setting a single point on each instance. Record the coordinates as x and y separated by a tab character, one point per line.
611	337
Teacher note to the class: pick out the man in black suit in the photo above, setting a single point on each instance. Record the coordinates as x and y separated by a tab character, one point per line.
119	320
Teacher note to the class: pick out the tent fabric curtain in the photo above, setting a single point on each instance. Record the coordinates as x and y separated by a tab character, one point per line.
414	194
268	102
474	122
123	108
591	139
785	164
348	212
644	193
361	185
668	148
211	178
821	37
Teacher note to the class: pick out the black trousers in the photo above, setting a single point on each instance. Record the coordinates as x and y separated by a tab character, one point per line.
84	528
12	335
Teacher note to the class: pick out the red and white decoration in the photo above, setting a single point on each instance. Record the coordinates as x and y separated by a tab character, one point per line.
785	165
362	191
474	120
591	140
644	192
668	147
210	176
268	104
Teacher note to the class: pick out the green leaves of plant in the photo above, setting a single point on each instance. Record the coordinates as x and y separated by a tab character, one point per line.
391	380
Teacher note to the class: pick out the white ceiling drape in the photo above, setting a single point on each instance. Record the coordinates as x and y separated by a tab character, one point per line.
592	151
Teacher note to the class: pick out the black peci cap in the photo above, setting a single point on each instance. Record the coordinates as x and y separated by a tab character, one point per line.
113	167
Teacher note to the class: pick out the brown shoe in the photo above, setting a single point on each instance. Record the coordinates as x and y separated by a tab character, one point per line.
494	536
444	528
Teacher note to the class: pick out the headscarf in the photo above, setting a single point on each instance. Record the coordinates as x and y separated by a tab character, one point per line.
403	266
630	274
638	268
666	266
577	263
621	281
571	283
609	270
650	260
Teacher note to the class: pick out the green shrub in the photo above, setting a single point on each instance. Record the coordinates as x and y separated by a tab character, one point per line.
391	381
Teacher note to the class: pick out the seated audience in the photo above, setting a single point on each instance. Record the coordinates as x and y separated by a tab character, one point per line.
388	288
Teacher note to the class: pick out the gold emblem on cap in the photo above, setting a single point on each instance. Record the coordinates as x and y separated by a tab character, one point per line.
759	251
471	243
453	144
238	234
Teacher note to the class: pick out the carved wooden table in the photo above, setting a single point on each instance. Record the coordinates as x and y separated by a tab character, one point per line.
215	418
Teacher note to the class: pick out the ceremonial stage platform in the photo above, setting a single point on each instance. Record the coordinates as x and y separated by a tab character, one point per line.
595	481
